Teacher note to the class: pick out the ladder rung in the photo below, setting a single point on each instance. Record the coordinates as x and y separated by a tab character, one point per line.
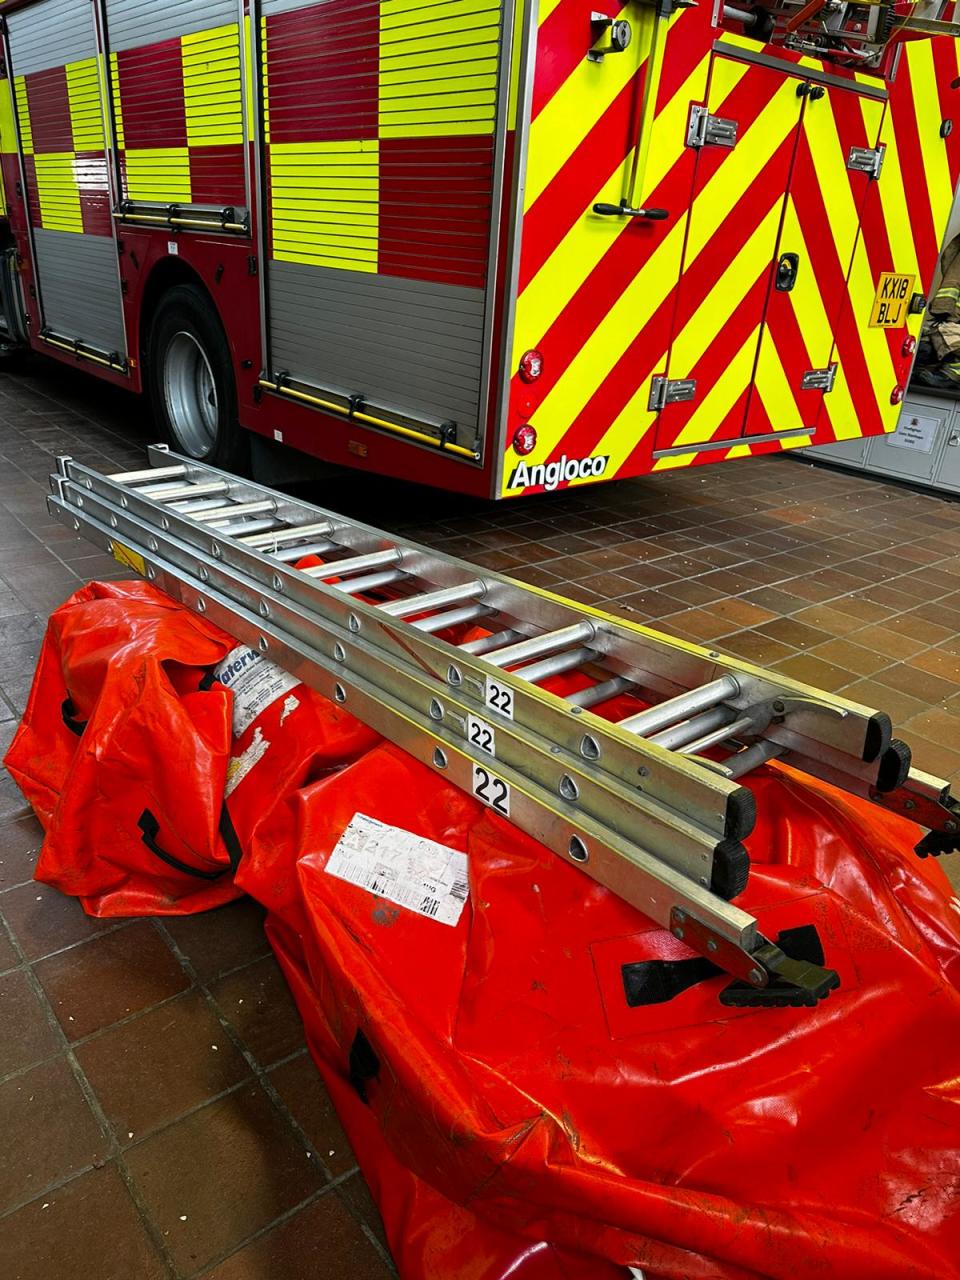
286	555
433	599
148	473
452	618
596	693
236	509
232	527
744	725
690	730
682	707
568	660
178	492
291	534
483	644
752	757
354	564
353	586
539	646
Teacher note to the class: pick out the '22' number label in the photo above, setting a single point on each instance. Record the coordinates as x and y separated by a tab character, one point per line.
499	698
492	790
481	735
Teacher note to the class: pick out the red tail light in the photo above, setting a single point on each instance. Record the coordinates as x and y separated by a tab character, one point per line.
531	366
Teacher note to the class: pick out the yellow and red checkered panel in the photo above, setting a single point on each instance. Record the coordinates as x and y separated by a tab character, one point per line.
612	302
61	128
178	111
379	127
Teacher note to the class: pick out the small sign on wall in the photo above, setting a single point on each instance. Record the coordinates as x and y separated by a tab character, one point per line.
915	433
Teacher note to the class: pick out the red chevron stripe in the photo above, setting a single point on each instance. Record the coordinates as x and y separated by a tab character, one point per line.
925	234
561	46
946	62
566	199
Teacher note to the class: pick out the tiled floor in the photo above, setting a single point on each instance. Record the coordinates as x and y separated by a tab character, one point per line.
160	1115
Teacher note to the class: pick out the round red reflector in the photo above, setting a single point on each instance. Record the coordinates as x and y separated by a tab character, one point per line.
531	366
909	346
525	439
896	395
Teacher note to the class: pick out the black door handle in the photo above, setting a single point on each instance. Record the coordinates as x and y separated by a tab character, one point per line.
787	269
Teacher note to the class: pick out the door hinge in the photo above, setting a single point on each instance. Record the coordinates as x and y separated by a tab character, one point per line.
664	391
705	130
819	379
868	160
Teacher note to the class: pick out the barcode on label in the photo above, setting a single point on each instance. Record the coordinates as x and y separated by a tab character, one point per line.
410	870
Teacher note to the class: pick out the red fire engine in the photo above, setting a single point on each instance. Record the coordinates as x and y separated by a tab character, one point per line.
495	246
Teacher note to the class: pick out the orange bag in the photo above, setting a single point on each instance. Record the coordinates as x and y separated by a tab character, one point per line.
498	1065
123	752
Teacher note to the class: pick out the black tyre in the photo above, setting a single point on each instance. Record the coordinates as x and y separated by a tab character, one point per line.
190	380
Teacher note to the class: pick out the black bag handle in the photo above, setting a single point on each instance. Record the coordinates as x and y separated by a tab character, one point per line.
69	713
150	829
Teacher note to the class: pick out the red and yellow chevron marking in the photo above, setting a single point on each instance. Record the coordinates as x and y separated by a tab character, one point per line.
611	303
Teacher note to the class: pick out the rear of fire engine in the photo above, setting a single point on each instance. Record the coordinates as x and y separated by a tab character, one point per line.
496	247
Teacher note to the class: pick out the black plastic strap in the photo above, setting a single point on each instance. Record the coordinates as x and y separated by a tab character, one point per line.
69	713
659	981
150	829
228	833
364	1065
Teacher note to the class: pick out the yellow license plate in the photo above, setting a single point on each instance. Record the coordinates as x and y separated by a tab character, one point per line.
891	306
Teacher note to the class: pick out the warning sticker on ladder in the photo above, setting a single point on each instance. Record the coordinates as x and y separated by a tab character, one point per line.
407	869
254	682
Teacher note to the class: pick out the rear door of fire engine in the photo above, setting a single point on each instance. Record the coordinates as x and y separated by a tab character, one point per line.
835	163
56	72
782	171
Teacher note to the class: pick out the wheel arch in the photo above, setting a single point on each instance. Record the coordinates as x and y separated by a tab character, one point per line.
165	274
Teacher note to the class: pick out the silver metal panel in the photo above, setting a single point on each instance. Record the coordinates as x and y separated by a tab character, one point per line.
409	344
50	34
131	23
78	287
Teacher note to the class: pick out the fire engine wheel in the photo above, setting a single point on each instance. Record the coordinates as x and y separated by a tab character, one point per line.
191	380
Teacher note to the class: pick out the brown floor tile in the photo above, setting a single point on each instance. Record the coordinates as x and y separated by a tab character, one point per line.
754	646
695	622
8	954
215	941
827	618
934	757
917	684
810	670
937	662
322	1242
917	628
796	634
257	1003
299	1084
883	640
49	1132
356	1195
740	613
900	707
103	980
865	610
88	1229
776	600
852	657
221	1174
26	1035
45	920
937	725
19	846
151	1070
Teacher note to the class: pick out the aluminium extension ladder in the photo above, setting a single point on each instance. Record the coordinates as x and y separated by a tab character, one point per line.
636	803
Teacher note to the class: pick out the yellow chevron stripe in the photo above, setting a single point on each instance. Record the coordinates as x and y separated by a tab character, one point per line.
923	78
716	405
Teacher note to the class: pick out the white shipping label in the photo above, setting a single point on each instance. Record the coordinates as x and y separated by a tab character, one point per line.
254	682
413	872
915	433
